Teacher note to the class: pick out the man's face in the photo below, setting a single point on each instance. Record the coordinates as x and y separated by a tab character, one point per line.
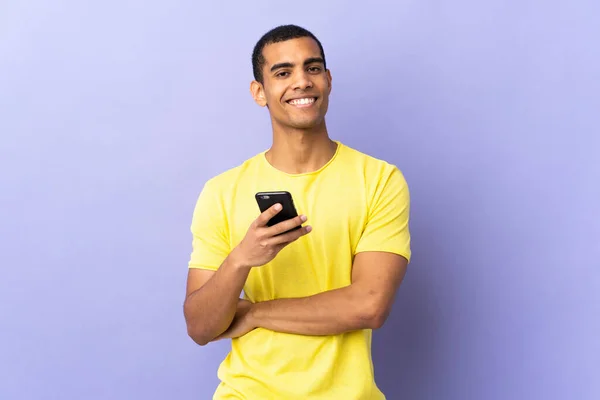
296	85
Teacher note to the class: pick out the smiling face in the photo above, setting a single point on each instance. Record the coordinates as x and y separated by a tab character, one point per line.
295	86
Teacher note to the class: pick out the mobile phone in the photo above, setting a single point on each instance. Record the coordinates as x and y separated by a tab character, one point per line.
266	200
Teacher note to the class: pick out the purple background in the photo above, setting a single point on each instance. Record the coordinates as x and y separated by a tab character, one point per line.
113	115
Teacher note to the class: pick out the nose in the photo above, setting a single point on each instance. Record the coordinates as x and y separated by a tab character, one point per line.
302	81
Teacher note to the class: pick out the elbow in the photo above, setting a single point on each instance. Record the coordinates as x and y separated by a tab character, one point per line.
197	335
377	319
374	316
195	329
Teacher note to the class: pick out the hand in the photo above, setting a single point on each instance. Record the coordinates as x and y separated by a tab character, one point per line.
242	322
262	243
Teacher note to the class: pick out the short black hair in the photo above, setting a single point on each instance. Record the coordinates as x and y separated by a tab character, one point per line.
275	35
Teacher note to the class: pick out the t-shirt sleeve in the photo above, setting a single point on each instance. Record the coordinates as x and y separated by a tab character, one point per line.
387	227
210	243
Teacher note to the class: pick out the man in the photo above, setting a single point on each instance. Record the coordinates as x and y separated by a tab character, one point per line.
311	296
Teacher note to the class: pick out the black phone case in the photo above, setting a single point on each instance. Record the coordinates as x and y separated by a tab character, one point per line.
266	200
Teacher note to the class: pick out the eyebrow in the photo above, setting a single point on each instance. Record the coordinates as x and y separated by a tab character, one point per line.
308	61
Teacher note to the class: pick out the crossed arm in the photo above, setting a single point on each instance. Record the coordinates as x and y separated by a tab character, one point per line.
364	304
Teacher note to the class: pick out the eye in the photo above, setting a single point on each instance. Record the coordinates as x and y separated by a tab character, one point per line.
282	74
314	69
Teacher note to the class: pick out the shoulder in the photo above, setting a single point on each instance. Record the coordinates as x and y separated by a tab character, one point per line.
216	191
374	169
227	180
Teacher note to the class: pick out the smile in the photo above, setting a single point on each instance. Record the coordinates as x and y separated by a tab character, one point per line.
304	102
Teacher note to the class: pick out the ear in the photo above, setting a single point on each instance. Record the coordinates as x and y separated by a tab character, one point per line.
329	81
258	93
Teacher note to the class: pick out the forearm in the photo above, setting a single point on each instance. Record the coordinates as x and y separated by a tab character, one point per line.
328	313
210	309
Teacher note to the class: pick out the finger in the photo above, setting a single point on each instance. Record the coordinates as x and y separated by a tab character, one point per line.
286	225
269	213
289	237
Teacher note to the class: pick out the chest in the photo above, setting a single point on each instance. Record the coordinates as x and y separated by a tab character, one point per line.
337	211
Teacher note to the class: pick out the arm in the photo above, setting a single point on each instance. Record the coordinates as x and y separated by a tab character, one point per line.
365	304
212	298
377	272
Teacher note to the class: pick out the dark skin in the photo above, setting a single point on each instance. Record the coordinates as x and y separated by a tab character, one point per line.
293	71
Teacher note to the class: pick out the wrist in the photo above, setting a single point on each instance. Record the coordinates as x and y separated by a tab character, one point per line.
237	262
254	315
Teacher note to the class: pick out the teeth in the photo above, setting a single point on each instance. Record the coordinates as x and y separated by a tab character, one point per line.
303	101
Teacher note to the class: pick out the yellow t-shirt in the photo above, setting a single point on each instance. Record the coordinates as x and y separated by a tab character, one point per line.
354	203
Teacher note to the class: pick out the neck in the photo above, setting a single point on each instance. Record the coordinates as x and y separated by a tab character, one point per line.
298	151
